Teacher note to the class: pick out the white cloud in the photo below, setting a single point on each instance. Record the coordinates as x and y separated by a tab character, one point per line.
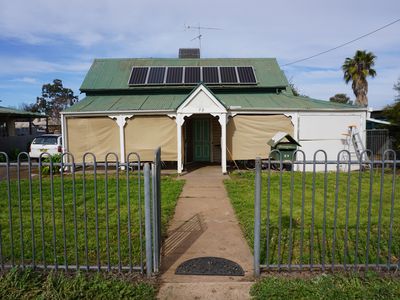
11	65
28	80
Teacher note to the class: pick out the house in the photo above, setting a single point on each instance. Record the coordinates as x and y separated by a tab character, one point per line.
210	110
17	129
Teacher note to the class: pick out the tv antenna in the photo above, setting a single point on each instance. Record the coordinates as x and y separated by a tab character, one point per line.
199	29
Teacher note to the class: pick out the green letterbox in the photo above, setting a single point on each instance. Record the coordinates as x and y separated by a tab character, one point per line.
286	145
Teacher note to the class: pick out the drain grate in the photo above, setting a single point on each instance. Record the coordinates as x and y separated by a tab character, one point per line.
210	266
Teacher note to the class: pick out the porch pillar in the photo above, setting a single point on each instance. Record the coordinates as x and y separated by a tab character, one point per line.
222	121
180	119
121	121
10	123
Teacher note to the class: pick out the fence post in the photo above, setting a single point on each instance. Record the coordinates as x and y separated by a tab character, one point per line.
156	192
147	211
257	218
155	217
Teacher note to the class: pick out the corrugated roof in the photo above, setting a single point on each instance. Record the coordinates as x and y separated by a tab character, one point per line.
277	101
7	111
127	103
156	102
113	74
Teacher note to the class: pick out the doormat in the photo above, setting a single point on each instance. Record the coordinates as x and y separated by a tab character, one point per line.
216	266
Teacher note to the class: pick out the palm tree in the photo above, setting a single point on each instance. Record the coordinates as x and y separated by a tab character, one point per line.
357	69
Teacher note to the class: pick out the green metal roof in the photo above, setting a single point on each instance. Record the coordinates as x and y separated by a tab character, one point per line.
11	112
235	101
281	101
127	103
107	89
113	74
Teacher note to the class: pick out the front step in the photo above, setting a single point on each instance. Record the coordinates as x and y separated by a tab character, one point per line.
205	290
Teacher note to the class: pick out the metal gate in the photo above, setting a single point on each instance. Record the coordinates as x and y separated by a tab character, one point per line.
378	141
153	213
320	220
80	215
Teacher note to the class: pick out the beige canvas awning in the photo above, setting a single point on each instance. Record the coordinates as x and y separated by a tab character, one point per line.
98	135
144	134
247	135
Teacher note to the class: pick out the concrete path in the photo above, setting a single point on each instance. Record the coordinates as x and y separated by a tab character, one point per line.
205	225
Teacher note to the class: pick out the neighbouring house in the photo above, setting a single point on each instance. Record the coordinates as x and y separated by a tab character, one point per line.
17	129
50	125
196	109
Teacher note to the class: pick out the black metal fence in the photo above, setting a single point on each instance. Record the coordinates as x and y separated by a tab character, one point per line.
327	220
71	215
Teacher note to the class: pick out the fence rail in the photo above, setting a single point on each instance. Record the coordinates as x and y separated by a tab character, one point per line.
327	220
85	215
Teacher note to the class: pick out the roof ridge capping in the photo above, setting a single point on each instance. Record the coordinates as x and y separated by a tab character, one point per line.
185	59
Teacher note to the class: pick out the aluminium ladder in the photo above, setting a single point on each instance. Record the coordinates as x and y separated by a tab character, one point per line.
354	138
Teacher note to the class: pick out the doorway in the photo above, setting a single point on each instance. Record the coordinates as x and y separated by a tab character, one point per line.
201	140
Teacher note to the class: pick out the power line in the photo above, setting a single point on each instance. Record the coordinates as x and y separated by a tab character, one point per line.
342	45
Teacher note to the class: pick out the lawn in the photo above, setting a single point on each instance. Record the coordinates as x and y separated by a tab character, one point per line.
27	284
292	239
335	287
56	242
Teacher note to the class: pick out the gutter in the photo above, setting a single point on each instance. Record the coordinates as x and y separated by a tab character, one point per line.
118	112
234	110
378	121
179	89
258	110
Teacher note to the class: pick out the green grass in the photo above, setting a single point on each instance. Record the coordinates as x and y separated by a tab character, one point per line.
339	286
170	188
241	192
27	284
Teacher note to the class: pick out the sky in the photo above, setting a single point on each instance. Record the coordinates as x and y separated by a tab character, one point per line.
43	40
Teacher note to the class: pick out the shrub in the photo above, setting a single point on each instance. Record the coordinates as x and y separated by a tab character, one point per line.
56	159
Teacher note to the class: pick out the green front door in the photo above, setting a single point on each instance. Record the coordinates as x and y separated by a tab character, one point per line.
201	134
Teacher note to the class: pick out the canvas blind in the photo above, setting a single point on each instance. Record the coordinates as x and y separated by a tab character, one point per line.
98	135
247	135
144	134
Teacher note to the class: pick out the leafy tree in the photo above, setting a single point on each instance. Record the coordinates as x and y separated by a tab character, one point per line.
295	89
32	107
396	87
392	113
55	98
341	98
356	70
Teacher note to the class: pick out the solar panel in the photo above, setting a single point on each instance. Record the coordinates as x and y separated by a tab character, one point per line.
246	75
210	75
156	75
228	75
192	74
174	75
138	75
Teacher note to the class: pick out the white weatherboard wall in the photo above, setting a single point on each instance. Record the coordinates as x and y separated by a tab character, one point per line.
325	131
